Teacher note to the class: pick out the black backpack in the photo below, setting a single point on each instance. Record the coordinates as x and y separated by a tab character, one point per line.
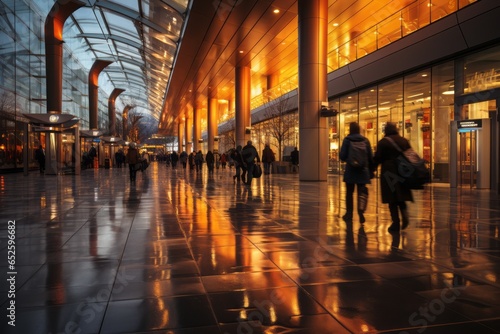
357	156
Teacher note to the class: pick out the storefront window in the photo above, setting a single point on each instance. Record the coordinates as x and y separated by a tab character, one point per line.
368	115
334	136
441	115
417	112
390	105
349	112
481	71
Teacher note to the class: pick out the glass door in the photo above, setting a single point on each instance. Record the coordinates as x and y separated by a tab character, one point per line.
467	159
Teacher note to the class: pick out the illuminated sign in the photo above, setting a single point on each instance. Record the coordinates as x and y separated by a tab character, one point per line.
470	125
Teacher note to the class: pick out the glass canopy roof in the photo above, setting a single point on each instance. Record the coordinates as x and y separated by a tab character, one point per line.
140	37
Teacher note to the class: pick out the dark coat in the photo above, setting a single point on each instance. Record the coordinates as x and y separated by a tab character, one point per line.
352	175
268	155
391	187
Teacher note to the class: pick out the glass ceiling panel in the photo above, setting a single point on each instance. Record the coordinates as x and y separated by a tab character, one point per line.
131	4
140	36
121	23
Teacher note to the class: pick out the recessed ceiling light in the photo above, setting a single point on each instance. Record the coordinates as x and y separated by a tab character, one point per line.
276	11
335	24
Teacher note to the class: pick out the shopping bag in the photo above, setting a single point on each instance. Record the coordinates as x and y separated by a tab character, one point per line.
257	171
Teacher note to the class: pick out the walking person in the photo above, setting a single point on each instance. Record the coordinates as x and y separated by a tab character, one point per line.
394	192
267	158
210	160
294	157
133	158
184	159
198	160
223	160
191	161
239	165
174	157
356	151
249	154
40	157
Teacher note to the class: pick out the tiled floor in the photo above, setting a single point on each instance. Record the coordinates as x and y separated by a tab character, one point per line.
181	252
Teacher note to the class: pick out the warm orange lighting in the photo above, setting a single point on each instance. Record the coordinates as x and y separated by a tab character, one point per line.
276	11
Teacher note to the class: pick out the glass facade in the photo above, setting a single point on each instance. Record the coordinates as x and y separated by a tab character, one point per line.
418	103
104	31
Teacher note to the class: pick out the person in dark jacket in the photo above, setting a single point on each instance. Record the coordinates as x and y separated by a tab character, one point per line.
238	164
210	160
250	155
356	176
294	157
267	158
40	157
394	193
132	158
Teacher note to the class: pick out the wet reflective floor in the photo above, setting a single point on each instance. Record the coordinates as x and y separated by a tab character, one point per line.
180	252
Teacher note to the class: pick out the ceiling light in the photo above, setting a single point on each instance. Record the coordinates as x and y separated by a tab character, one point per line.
335	24
276	11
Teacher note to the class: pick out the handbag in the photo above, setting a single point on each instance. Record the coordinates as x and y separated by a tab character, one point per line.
257	171
411	167
138	166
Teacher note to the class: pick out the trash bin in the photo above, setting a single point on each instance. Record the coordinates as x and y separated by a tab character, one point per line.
106	163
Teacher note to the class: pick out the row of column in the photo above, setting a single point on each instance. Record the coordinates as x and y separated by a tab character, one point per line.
312	91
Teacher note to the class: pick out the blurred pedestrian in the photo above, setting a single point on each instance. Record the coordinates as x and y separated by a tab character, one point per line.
250	155
294	157
267	158
394	192
133	159
40	157
210	160
356	151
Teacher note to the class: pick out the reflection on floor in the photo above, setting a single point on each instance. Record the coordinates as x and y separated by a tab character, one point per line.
181	252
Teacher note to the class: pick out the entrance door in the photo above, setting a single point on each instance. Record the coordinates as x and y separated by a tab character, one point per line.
473	146
467	159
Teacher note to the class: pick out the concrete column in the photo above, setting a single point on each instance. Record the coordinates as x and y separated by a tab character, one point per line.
272	81
54	24
196	128
95	70
242	105
313	131
112	111
180	136
212	121
189	134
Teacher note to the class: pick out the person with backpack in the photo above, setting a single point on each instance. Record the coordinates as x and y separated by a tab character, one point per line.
357	153
394	192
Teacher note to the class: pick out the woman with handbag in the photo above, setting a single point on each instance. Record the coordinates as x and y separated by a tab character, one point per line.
394	192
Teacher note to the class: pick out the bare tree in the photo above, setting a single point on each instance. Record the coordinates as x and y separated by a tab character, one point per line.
281	121
134	130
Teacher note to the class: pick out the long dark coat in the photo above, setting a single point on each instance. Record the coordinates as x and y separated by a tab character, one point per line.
352	175
391	186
